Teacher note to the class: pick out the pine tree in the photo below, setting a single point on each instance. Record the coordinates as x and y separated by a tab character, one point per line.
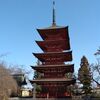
84	75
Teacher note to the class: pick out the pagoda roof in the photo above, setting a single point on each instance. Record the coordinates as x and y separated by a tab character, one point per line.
63	80
42	68
51	56
52	27
57	65
62	43
54	30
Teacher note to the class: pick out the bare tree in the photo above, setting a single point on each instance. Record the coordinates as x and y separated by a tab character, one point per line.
96	68
19	69
15	69
7	83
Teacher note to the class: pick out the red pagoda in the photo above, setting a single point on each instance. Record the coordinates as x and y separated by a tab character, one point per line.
56	69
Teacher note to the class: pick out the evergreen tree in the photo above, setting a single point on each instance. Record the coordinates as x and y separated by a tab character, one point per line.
84	75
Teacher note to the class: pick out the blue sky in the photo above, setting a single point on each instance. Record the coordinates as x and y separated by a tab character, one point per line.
19	20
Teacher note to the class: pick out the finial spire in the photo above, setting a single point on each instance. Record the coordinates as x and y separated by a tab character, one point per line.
54	22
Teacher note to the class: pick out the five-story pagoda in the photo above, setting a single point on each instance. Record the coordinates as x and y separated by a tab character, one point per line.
55	68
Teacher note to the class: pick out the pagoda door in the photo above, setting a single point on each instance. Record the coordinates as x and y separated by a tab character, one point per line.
53	92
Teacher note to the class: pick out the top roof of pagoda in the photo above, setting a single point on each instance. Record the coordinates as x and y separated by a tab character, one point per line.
53	27
60	31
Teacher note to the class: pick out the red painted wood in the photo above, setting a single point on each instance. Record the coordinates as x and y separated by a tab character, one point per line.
53	68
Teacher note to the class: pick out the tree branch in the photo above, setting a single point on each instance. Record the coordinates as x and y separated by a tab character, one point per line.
96	81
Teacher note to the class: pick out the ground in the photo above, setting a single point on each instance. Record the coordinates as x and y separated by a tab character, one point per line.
50	99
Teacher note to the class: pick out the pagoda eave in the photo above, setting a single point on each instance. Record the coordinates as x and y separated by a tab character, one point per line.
54	81
52	28
63	80
45	44
42	69
60	65
59	56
